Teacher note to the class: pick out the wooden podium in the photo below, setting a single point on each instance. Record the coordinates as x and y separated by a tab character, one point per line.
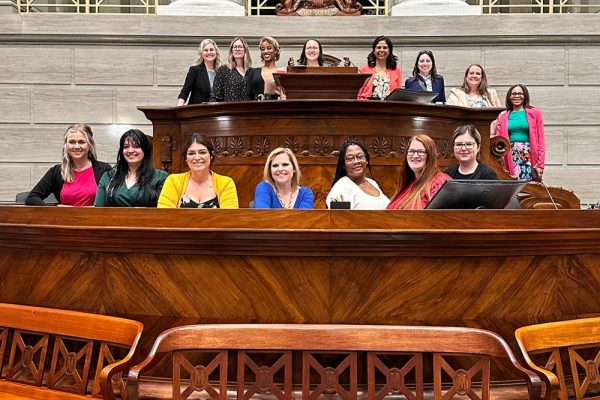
321	82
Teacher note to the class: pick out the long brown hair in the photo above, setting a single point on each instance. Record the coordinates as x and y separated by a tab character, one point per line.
423	184
483	85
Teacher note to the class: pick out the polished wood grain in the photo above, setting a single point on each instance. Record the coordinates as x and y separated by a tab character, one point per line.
69	338
323	376
577	336
243	134
328	83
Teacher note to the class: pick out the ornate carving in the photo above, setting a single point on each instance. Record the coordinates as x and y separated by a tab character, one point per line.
218	145
329	376
237	146
445	148
199	376
69	371
395	377
319	7
106	357
17	367
291	143
166	152
380	146
264	375
461	379
322	145
590	367
262	145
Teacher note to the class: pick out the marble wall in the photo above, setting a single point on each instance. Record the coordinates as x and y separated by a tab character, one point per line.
60	69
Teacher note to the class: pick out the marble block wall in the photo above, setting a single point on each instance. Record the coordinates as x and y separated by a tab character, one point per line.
59	69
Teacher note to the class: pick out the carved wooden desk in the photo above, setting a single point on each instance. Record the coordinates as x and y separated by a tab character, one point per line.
244	133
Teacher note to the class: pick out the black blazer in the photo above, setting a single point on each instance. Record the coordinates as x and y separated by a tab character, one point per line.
53	182
198	84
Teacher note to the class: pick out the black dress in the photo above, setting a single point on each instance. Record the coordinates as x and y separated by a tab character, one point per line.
229	85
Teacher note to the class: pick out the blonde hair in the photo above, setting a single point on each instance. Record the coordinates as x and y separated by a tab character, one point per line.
268	177
67	165
199	60
247	59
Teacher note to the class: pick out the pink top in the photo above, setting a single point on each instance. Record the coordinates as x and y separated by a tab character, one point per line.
366	91
438	181
82	191
537	138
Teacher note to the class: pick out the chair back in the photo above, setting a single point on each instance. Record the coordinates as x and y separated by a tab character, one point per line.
544	342
330	357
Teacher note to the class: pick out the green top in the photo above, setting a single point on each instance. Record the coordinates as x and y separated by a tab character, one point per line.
518	127
129	197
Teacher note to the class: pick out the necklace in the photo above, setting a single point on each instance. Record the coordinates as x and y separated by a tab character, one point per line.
289	204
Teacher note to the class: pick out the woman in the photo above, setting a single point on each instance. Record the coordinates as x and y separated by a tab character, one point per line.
281	185
260	84
312	54
230	81
199	187
133	182
382	64
523	126
350	182
474	92
420	178
75	180
467	143
201	76
425	77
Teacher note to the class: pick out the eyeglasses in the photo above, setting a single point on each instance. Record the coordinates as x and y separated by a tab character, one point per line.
468	145
519	94
358	157
238	47
420	153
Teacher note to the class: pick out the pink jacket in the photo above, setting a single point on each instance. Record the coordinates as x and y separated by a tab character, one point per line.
366	91
537	138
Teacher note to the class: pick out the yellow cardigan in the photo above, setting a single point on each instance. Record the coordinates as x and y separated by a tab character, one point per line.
176	184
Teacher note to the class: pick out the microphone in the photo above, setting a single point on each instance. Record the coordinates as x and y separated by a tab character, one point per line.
536	177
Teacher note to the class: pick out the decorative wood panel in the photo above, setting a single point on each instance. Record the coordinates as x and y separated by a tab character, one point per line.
264	376
199	377
69	369
462	380
587	366
27	357
329	376
395	377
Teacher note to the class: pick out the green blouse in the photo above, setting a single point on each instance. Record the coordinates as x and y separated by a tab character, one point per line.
129	197
518	127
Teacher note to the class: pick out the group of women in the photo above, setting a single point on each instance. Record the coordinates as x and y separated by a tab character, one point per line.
81	180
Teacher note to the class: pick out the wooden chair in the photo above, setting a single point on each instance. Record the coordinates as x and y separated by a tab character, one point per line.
548	339
50	354
330	363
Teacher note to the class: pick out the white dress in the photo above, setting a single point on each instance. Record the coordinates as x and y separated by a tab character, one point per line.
346	190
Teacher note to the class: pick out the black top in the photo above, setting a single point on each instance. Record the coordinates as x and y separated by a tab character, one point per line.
481	172
189	203
255	84
196	83
229	85
53	182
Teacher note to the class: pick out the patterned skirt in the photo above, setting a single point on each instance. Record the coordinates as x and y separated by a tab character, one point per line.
521	154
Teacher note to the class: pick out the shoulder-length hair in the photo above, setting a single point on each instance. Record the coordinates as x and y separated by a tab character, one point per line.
268	177
415	72
145	172
273	42
483	85
67	166
340	169
302	60
391	62
200	139
423	184
509	105
231	63
199	60
468	130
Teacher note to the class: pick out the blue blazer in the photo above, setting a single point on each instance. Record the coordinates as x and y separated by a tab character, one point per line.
437	86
